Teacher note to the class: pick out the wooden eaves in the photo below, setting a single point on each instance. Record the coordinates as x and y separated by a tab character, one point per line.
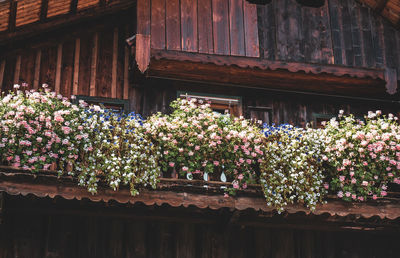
279	75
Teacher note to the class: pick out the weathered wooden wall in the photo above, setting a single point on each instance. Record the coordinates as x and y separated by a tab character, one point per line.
153	95
90	58
341	32
60	228
226	27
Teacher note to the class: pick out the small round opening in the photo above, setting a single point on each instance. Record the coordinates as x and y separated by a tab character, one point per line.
312	3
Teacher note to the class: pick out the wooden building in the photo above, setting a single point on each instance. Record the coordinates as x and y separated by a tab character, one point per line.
281	61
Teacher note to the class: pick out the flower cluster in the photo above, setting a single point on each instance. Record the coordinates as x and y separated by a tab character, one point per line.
118	151
363	156
38	129
195	140
291	169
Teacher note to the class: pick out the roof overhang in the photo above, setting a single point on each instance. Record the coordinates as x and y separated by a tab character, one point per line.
255	72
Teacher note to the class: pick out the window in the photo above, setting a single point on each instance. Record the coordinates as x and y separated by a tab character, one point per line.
318	119
218	103
261	113
117	105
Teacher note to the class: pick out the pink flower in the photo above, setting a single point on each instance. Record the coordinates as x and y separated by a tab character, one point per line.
340	194
235	185
240	177
197	147
365	163
248	161
39	139
342	178
383	193
185	169
171	164
216	162
58	118
374	197
348	194
326	186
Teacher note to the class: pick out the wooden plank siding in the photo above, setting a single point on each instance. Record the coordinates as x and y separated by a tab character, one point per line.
341	32
80	229
91	61
224	27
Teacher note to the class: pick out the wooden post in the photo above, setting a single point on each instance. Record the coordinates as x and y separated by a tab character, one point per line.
37	69
43	10
93	66
114	65
76	66
17	69
13	15
2	68
58	69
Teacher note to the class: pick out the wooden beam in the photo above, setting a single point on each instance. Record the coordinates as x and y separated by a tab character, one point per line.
36	77
275	75
380	5
43	10
93	66
114	65
17	69
76	66
57	84
73	6
2	68
13	15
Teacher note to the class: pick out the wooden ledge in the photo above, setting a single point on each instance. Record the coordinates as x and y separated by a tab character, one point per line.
255	72
177	193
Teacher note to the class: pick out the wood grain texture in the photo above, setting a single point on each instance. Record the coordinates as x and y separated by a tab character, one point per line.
126	73
93	66
2	69
221	37
189	35
173	25
143	17
267	31
142	51
67	67
205	27
236	27
36	76
57	84
77	52
114	64
17	69
158	23
251	30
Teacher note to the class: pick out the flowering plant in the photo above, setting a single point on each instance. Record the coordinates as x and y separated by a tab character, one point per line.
38	129
363	157
291	169
118	151
196	140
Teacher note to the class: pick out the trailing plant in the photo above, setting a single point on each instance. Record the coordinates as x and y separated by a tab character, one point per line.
195	140
118	152
38	129
291	169
363	156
